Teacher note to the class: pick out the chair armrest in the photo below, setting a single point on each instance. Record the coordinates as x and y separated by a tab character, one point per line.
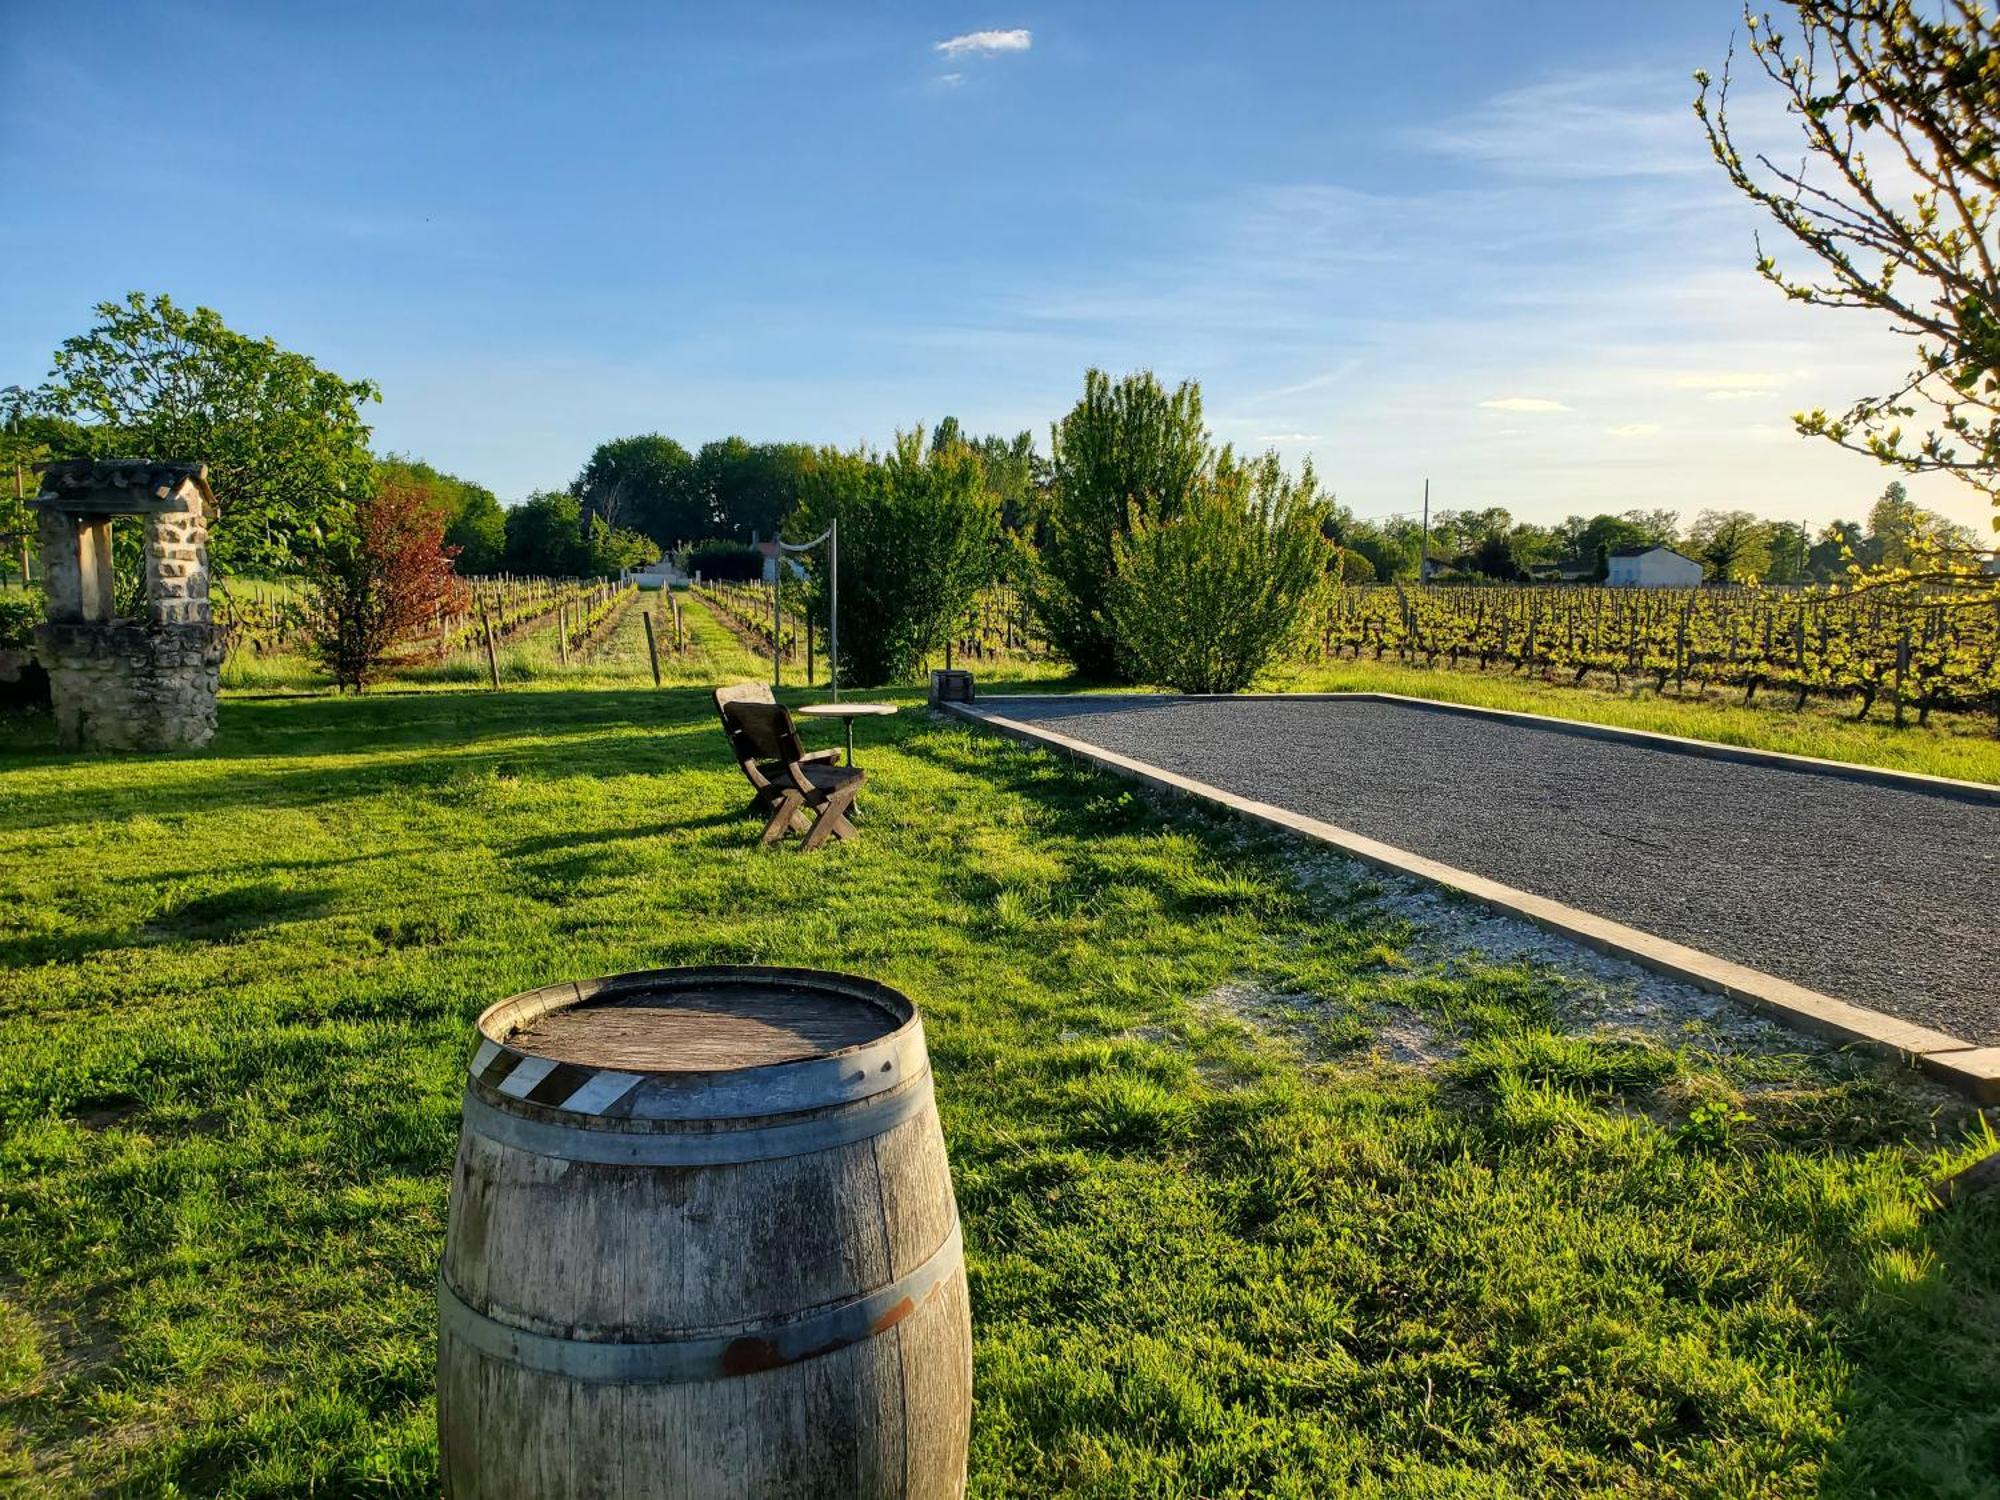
819	755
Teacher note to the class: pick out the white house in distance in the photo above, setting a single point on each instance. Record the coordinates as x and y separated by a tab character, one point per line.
658	575
1652	568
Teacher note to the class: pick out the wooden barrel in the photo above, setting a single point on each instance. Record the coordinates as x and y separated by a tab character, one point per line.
703	1243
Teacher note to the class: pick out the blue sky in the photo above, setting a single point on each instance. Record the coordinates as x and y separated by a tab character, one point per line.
1479	240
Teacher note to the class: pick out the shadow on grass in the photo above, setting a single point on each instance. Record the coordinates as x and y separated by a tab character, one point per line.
455	735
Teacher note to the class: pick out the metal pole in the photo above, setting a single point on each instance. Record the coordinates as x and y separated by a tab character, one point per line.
833	616
20	504
777	572
1424	557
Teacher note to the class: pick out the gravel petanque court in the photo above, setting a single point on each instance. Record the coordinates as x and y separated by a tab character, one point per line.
1874	894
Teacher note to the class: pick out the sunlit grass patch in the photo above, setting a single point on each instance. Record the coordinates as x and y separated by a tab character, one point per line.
1221	1241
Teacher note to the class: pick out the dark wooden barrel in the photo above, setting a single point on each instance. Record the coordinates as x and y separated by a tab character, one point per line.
703	1243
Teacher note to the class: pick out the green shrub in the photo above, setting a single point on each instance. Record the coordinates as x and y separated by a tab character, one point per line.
19	614
1202	602
1126	452
919	537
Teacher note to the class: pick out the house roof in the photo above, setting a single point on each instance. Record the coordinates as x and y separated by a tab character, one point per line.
1656	547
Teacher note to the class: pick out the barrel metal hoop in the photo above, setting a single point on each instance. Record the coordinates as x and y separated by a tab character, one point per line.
649	1148
702	1357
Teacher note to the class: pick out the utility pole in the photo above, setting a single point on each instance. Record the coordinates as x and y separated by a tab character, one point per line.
777	645
1424	556
833	615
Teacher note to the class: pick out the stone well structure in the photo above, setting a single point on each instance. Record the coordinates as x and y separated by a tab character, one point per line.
128	684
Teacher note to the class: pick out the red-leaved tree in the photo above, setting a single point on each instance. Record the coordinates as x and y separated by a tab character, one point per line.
379	581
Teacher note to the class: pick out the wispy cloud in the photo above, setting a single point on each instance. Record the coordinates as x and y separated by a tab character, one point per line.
950	80
1523	404
1590	125
1290	437
1634	430
1729	380
986	43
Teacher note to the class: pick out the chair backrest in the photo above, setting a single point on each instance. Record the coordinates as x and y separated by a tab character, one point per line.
762	731
740	692
743	692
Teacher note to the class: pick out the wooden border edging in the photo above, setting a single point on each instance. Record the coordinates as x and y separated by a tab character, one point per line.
1973	1070
1907	781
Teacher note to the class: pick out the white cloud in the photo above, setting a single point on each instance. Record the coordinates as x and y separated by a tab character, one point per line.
1634	430
950	80
1290	437
985	43
1523	404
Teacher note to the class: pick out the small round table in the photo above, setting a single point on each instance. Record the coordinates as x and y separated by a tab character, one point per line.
848	712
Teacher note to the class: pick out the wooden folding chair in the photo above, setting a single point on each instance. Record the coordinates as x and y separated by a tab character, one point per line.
767	793
790	782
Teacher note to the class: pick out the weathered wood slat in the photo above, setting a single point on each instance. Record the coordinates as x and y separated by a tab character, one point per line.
615	1321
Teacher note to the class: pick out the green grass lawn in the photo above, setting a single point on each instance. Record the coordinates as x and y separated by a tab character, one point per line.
1209	1256
1959	746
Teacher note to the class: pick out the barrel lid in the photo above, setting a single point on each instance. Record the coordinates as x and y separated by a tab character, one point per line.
704	1043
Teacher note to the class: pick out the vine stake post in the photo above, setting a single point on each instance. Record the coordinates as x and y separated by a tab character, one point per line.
652	650
492	658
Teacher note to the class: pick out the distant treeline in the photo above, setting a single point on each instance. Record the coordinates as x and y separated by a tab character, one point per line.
1733	546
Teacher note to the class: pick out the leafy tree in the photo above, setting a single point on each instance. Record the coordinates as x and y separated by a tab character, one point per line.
1529	545
1492	556
1368	552
1921	84
1838	547
1355	567
747	490
1127	453
918	535
1596	539
1903	535
474	522
1733	544
1657	528
1014	471
283	439
1203	599
376	580
609	550
479	532
645	484
1788	545
1456	532
27	439
547	537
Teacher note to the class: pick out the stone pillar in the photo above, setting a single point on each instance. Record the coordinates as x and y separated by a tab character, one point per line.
117	684
62	565
177	563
